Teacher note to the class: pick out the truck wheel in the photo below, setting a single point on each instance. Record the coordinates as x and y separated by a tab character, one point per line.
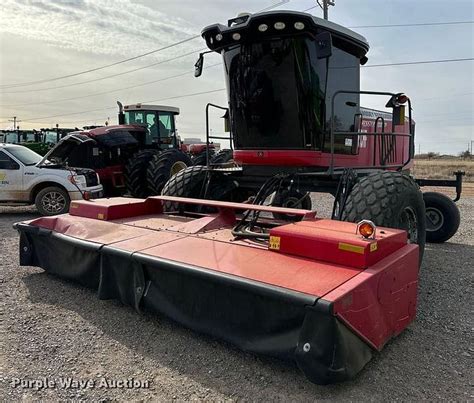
52	200
222	157
164	166
442	217
389	199
291	199
135	173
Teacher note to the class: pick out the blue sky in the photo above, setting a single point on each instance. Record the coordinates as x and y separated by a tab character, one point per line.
43	39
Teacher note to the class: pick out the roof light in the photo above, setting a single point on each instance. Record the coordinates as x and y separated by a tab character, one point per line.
279	25
299	25
262	27
402	99
219	37
236	36
366	228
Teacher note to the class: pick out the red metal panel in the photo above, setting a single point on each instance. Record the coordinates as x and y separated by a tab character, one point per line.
294	273
114	208
335	242
306	214
380	302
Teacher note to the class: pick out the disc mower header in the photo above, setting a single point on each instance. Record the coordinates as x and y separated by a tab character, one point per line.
315	292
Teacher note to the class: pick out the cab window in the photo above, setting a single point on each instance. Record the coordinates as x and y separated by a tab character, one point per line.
7	163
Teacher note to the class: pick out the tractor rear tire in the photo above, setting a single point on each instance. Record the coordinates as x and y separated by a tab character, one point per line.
190	182
163	166
442	217
291	199
135	173
222	157
389	199
201	158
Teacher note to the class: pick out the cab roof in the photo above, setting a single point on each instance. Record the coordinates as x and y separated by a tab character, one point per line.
247	27
159	108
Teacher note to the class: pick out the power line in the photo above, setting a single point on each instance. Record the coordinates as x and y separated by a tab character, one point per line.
421	62
101	67
189	72
421	24
379	65
113	107
124	60
106	77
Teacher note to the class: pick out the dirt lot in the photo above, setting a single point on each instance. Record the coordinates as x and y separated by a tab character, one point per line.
54	329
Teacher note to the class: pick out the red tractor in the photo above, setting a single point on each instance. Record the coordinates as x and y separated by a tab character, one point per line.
296	126
136	157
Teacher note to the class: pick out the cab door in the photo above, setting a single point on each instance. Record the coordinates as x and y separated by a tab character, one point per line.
11	179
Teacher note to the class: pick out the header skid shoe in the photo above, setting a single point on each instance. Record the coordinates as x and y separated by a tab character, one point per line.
313	292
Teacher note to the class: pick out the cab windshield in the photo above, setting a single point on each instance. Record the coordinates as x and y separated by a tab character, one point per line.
279	96
160	125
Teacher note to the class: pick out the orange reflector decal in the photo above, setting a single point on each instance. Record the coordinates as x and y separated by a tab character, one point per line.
351	248
100	216
274	243
74	205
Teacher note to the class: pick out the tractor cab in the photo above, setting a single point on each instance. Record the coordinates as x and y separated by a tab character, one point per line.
159	121
293	83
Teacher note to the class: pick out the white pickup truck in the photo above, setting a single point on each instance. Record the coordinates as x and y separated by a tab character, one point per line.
28	178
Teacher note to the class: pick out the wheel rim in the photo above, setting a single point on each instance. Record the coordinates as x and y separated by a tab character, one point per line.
434	219
53	202
409	222
177	166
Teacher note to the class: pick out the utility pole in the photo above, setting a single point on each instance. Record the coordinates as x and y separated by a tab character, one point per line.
325	7
14	122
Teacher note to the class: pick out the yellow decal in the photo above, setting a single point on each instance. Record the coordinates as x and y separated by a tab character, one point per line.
351	248
100	216
274	243
373	247
2	176
74	205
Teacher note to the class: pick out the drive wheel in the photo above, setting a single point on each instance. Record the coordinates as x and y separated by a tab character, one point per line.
201	158
389	199
291	199
52	200
135	173
190	182
442	217
222	157
164	166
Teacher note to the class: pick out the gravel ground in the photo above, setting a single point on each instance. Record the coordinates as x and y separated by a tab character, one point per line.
54	329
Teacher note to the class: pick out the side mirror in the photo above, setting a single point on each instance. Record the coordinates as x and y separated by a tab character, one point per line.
323	45
198	65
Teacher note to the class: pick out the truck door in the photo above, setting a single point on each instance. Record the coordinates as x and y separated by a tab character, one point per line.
11	179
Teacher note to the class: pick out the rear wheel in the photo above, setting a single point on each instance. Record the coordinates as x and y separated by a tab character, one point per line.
222	157
442	217
135	173
52	200
201	158
291	199
389	199
163	166
191	182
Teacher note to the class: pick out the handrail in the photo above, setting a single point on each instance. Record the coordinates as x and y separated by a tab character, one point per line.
333	133
208	136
